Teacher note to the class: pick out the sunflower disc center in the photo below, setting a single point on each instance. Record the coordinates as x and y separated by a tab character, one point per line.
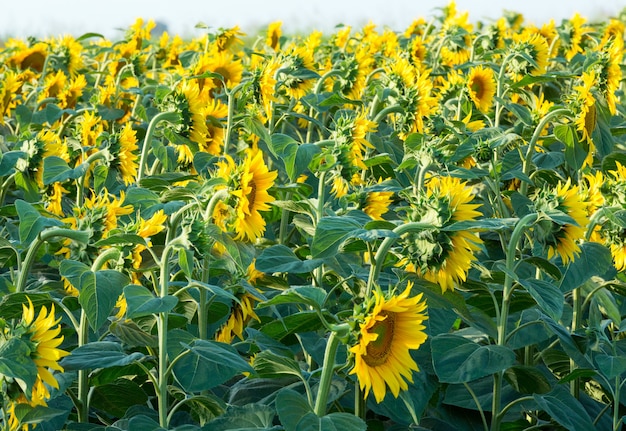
379	349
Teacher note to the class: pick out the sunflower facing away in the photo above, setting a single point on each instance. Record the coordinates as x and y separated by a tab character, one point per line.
45	340
391	329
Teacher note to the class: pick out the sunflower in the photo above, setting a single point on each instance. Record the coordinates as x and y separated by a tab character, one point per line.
126	147
299	73
586	116
9	86
53	204
443	257
562	238
390	330
241	313
255	181
45	341
274	32
528	45
481	85
68	97
29	57
54	84
377	204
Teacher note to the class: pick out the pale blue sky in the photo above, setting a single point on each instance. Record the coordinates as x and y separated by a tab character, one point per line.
45	17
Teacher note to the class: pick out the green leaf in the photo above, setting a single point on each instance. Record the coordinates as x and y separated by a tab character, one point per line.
211	364
567	342
99	354
303	321
296	414
99	294
608	304
248	417
575	153
56	169
527	380
308	295
31	222
593	259
77	273
270	365
610	366
331	233
121	239
131	334
565	409
116	397
548	267
141	302
8	161
15	362
484	224
549	298
458	360
280	258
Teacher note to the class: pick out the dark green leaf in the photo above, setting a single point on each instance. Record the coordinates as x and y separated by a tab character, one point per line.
141	302
593	259
459	360
15	362
31	222
248	417
116	397
307	295
565	409
99	354
280	258
610	366
549	298
527	380
99	294
56	169
291	408
270	365
8	161
331	233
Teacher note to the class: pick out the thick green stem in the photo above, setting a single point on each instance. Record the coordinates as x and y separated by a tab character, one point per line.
500	89
161	116
379	258
44	236
386	111
319	271
162	334
533	141
328	369
231	115
507	291
317	90
202	301
83	381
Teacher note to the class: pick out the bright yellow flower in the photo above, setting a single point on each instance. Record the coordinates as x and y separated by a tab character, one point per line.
481	84
45	340
388	333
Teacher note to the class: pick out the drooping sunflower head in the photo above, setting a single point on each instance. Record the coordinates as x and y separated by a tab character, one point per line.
44	336
530	55
584	105
299	72
481	85
389	329
566	221
124	147
229	39
253	196
241	313
274	32
442	257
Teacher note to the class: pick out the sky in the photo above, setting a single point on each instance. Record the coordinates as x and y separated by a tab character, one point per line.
43	18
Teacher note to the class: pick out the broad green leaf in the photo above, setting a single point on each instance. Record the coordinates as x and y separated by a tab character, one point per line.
15	362
280	258
291	408
308	295
210	364
99	354
99	294
11	304
610	366
527	380
143	423
593	259
270	365
31	222
575	153
141	302
548	267
131	334
608	304
56	169
331	233
549	298
565	409
8	161
248	417
458	360
77	273
303	321
35	415
567	342
116	397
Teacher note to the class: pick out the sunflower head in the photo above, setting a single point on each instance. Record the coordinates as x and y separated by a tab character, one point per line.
481	85
389	329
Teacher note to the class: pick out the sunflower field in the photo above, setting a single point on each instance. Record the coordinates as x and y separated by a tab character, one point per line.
364	230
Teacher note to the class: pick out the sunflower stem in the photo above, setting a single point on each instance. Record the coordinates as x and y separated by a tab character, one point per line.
500	88
161	116
24	270
328	370
507	290
82	406
318	88
319	271
533	141
381	253
231	115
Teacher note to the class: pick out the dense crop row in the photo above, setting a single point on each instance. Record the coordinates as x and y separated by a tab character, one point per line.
366	229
